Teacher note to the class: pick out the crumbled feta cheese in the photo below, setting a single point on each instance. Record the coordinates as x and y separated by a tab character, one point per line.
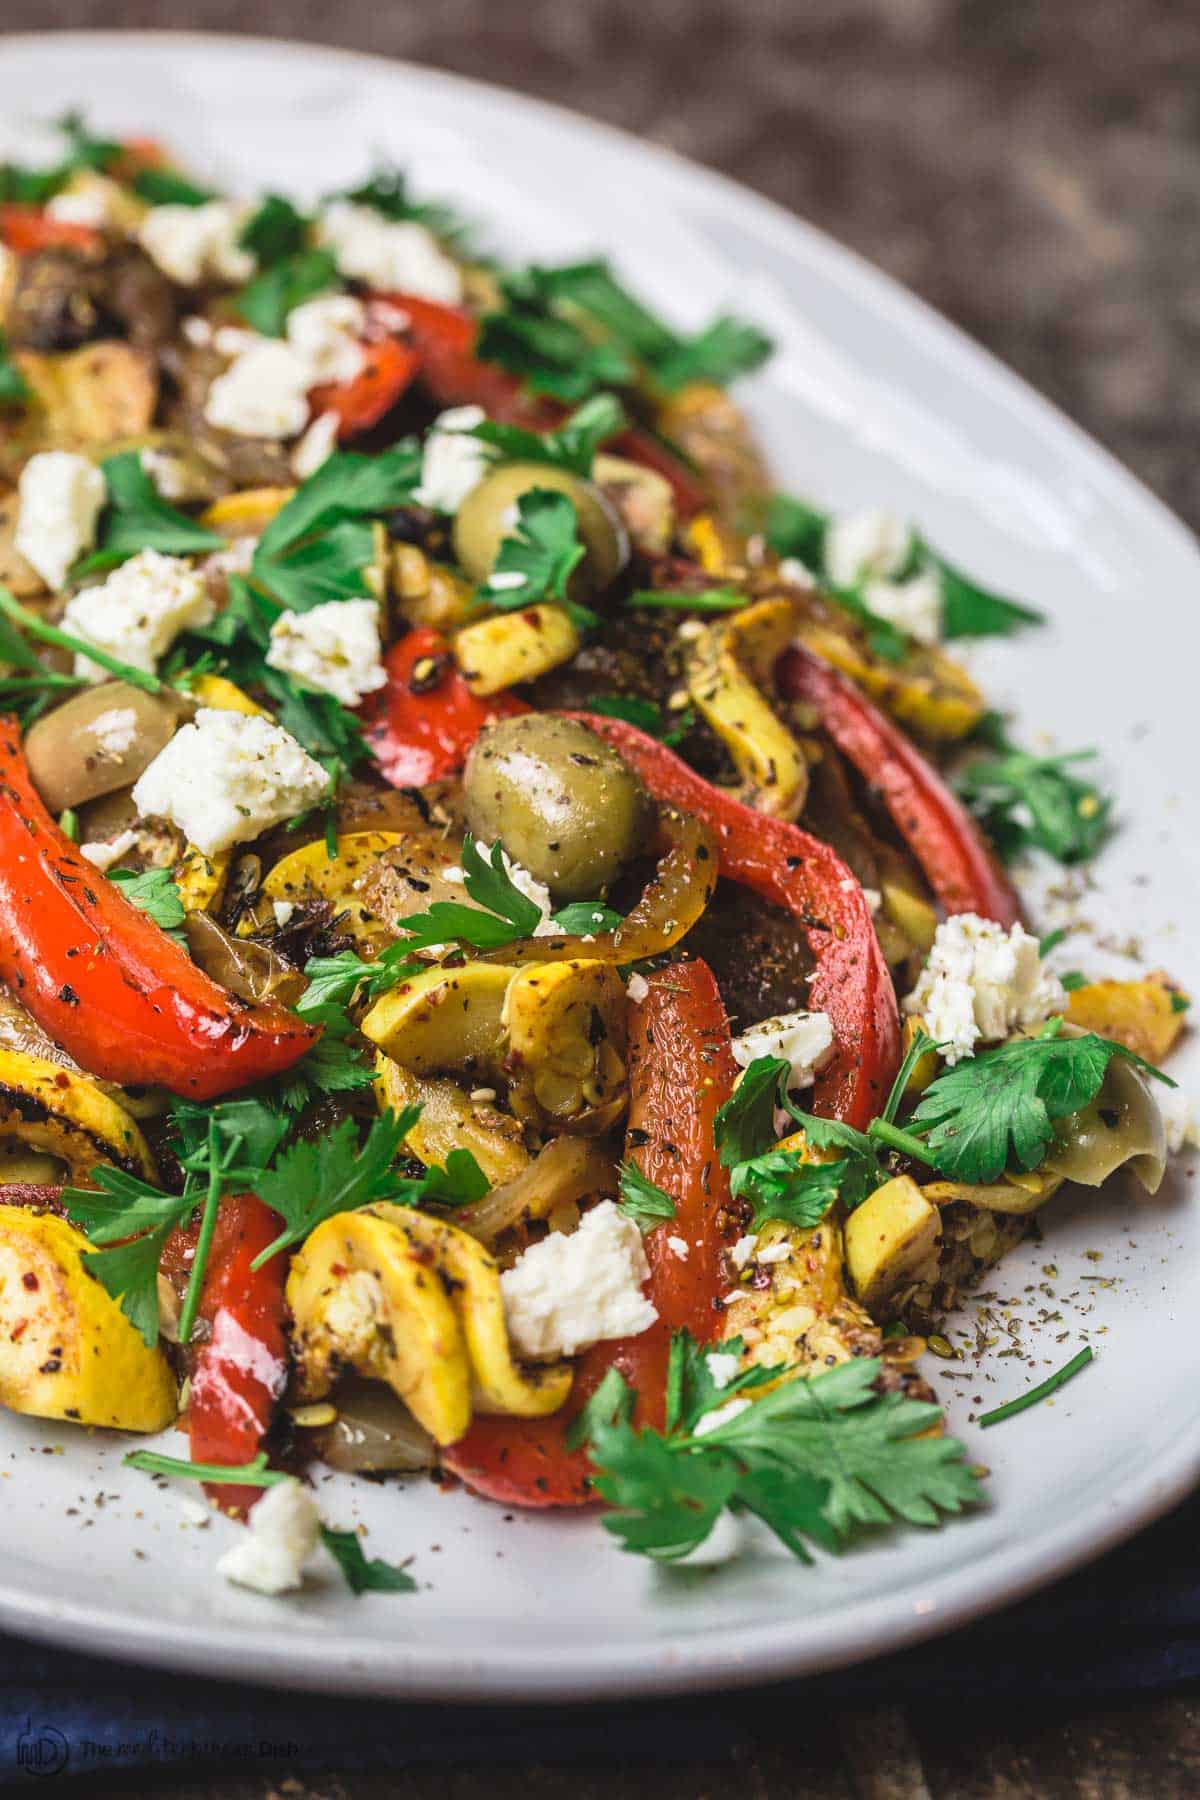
798	573
316	446
1179	1118
92	206
720	1415
169	473
743	1250
115	730
723	1365
873	898
263	393
228	776
333	647
196	1513
862	546
139	611
327	332
981	981
197	331
773	1253
723	1543
452	461
803	1039
534	890
283	910
914	606
636	988
61	495
573	1290
678	1247
192	244
395	254
103	856
280	1535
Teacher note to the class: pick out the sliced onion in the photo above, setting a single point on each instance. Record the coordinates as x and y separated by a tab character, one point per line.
373	1431
568	1169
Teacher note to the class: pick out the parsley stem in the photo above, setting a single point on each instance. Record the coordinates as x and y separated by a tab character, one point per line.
1051	1385
251	1474
208	1224
50	634
884	1132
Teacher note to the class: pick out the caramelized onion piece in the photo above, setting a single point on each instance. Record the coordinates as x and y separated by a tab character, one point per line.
373	1431
568	1169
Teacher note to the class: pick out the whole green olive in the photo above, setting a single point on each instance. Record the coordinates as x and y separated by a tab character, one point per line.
489	514
99	740
562	802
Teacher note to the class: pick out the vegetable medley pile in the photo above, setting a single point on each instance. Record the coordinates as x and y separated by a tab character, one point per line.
508	962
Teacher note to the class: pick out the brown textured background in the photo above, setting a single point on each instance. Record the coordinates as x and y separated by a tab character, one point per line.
1032	168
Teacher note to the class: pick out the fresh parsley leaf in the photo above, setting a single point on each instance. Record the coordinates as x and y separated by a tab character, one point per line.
1180	1003
87	151
167	187
642	1200
311	1181
999	1106
572	446
613	1399
1073	979
647	715
155	893
692	1388
708	600
336	1064
458	1182
530	338
136	517
969	610
724	350
129	1272
348	486
780	1185
745	1126
365	1575
122	1206
537	560
14	389
1023	800
861	1173
1052	939
329	566
266	301
584	918
818	1460
240	1136
339	980
796	529
275	230
507	915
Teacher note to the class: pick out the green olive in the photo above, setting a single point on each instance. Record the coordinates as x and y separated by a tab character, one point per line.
489	514
562	802
99	740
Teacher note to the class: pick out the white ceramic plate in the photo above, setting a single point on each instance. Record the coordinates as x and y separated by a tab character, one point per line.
870	399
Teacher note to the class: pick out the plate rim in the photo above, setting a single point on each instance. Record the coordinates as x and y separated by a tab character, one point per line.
865	1629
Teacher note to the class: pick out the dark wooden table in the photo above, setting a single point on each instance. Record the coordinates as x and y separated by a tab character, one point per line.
1032	168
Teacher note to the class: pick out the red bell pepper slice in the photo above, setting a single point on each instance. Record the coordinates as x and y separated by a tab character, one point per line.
24	229
127	1002
420	727
681	1071
240	1371
808	878
935	825
389	368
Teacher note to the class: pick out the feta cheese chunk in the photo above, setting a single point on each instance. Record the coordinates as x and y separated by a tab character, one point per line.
316	446
192	244
388	253
333	647
863	546
981	981
280	1535
723	1366
263	393
570	1291
914	606
61	495
720	1415
227	777
452	461
803	1039
139	611
327	334
102	856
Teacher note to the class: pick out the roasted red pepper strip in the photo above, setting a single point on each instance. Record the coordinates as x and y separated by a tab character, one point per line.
389	368
937	828
116	992
445	338
680	1070
240	1370
809	879
24	229
421	726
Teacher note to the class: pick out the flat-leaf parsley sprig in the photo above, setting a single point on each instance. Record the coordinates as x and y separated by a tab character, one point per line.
817	1460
